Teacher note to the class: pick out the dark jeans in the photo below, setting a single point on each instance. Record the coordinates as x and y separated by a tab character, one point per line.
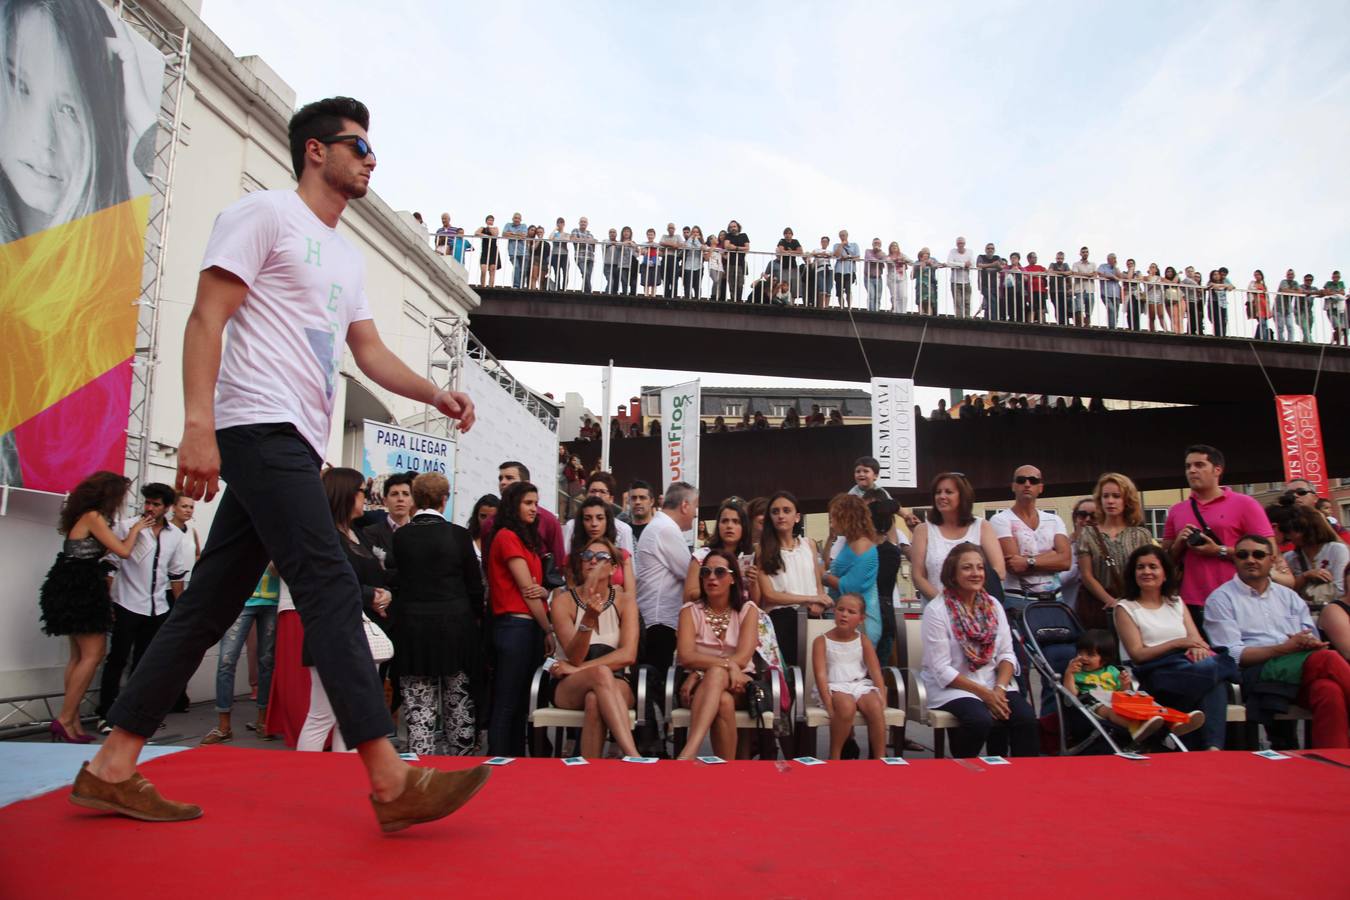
843	288
1181	684
518	645
558	263
1218	316
132	634
735	279
670	276
586	267
978	728
658	651
274	508
693	284
520	271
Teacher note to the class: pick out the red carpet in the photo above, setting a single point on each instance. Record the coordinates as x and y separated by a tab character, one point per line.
297	825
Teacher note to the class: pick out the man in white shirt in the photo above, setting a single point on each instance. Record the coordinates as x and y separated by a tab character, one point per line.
1082	288
585	241
1035	543
289	290
960	260
602	485
846	255
141	589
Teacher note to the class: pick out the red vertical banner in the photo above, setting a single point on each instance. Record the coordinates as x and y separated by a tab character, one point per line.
1301	440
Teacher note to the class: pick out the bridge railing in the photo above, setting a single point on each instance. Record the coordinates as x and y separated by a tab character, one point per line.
1138	301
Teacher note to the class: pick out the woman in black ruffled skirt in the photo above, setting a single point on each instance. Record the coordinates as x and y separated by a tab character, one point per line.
74	597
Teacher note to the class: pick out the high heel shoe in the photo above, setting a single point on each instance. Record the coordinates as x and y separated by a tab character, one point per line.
61	736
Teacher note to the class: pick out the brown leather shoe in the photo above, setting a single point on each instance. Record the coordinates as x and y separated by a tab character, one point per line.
135	797
429	795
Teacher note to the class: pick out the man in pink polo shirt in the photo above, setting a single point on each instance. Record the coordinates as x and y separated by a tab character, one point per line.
1201	531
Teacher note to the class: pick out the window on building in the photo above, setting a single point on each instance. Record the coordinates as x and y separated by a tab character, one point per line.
828	408
730	408
779	410
1155	517
651	404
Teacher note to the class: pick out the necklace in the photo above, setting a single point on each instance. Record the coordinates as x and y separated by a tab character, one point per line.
718	622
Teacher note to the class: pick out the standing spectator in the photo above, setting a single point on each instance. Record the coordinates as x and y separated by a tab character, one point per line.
489	259
346	494
518	248
693	264
1219	286
1333	303
897	279
736	245
1319	557
819	276
143	590
601	485
1036	289
1059	289
1071	582
714	260
259	610
183	509
1153	298
550	530
788	562
1285	302
662	564
540	253
74	598
1083	289
874	270
1258	306
1303	309
521	630
1269	632
1201	531
1104	545
1015	305
610	263
398	503
1195	309
627	262
672	253
480	522
641	506
969	663
436	629
990	266
651	263
846	254
789	251
585	241
448	241
1034	542
925	282
1173	300
1109	275
960	260
854	569
1132	286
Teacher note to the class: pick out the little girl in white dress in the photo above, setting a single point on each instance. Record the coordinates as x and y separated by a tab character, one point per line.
845	661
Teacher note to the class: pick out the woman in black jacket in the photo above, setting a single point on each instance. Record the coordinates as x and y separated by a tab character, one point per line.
440	607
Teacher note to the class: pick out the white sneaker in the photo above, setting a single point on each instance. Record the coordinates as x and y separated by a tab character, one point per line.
1197	720
1145	731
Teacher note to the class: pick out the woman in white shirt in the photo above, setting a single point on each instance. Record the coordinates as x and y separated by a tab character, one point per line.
969	663
788	567
951	522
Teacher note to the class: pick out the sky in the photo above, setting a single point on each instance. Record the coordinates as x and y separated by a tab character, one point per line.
1196	133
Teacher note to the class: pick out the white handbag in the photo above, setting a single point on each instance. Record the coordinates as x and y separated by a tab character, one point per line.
381	648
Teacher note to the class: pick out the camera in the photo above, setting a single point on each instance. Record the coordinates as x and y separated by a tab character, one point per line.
1198	537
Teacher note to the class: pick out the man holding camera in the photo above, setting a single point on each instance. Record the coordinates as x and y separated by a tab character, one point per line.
1201	530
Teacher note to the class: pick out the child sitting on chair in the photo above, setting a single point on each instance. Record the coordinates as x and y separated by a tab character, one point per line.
1107	691
846	664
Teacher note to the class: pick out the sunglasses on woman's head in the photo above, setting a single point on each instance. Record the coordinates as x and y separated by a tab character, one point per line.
717	572
360	146
595	556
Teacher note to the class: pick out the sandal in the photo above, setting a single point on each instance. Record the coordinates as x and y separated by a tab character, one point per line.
259	729
216	736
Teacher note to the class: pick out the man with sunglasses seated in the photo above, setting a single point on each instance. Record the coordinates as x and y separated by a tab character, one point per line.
1269	632
1035	543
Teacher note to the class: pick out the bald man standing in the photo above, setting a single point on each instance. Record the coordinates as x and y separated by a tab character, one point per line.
1035	543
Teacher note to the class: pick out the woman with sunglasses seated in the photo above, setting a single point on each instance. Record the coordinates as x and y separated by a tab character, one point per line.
1172	661
596	628
716	641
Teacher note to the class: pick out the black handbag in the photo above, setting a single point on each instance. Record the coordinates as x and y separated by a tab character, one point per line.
553	579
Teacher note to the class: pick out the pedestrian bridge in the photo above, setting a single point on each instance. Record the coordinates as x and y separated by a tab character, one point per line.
940	351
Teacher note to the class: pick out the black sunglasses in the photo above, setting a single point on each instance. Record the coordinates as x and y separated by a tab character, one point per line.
1082	515
718	572
595	556
1253	554
360	145
1300	492
1027	479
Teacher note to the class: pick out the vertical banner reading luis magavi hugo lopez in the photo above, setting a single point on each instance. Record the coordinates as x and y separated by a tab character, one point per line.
680	407
893	432
1301	440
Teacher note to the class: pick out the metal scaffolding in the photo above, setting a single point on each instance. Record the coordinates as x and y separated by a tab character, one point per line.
176	47
450	346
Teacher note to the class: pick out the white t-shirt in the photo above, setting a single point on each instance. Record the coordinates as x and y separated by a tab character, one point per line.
958	261
1030	543
283	347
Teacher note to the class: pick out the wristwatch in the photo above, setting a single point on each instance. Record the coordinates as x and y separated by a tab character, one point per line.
1031	562
1223	552
583	628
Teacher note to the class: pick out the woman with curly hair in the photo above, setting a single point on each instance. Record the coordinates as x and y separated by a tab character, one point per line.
74	597
854	570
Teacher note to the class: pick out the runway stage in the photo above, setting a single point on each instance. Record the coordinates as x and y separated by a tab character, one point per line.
298	825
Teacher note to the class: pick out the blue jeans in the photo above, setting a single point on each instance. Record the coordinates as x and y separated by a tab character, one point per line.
520	269
1112	305
1179	683
519	647
1284	324
1020	733
1082	305
873	283
586	267
231	645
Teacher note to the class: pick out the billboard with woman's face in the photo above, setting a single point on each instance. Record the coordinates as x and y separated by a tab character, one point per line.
79	99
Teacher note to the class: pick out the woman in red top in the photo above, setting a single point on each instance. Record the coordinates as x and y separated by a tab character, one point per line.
520	620
1258	305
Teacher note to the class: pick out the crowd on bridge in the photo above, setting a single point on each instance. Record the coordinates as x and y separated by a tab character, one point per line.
463	619
683	262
